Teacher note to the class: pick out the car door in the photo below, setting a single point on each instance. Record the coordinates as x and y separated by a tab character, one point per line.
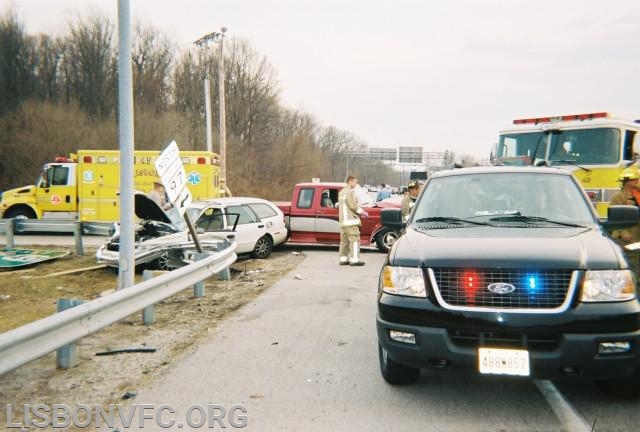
56	192
249	228
327	227
273	218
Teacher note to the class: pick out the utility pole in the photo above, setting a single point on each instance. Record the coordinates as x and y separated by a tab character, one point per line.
222	130
126	265
223	124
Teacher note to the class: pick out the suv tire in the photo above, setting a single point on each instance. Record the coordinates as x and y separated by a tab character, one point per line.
626	387
395	373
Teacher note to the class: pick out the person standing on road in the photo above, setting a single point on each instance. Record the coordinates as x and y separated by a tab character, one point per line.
383	193
628	195
409	199
349	213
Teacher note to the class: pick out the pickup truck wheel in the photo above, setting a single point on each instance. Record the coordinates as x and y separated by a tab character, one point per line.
385	239
625	387
263	247
395	373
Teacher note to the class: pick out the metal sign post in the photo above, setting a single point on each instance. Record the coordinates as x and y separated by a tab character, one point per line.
174	178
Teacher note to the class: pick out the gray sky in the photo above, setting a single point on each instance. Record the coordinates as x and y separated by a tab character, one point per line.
438	74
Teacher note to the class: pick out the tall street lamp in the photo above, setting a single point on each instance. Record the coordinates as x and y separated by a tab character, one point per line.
222	130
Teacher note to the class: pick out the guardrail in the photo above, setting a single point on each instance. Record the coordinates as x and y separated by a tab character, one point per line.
34	340
54	225
9	227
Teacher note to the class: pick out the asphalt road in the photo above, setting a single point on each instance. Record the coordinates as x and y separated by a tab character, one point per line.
303	357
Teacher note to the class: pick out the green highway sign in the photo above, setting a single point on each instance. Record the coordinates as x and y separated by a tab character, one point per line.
10	258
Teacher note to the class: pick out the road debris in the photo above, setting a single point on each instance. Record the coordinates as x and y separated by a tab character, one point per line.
78	270
127	350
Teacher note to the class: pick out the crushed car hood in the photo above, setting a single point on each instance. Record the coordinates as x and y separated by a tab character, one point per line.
148	209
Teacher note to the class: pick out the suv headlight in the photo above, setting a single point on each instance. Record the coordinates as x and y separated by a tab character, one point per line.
405	281
608	285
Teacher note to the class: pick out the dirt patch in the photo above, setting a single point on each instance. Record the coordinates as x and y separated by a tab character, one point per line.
181	322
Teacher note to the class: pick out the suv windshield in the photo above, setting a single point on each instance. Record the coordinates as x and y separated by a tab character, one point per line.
562	147
483	196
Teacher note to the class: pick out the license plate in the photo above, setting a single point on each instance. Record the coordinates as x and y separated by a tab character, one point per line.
503	361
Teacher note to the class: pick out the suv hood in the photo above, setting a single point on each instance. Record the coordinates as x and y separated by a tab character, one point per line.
541	248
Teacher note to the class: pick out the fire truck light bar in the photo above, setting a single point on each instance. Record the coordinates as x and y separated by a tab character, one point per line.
561	118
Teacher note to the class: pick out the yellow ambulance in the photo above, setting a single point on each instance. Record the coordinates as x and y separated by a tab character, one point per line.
86	185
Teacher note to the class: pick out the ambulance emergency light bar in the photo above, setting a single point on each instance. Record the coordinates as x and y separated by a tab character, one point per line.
569	117
200	160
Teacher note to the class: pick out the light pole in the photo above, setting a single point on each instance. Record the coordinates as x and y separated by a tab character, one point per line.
222	138
223	124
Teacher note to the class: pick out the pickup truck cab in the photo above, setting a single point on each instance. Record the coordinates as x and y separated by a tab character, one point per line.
312	217
509	271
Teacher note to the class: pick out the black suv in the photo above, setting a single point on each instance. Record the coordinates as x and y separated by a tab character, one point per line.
509	271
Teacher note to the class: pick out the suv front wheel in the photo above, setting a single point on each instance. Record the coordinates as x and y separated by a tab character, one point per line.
395	373
627	387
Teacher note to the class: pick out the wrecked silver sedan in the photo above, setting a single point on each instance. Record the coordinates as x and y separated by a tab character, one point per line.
162	240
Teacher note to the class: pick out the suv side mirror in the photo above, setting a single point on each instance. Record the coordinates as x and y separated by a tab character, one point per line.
622	216
392	218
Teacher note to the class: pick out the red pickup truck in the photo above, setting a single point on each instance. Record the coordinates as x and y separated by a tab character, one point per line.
312	217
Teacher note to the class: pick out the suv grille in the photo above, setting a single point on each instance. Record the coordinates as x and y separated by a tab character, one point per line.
476	339
489	288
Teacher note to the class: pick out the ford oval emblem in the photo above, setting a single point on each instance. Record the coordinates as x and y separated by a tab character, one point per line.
501	288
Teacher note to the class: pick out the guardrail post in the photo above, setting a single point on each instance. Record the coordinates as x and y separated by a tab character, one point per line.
148	313
198	287
67	355
9	234
77	234
225	274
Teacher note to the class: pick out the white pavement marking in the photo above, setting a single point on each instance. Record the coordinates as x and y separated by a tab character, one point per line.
567	415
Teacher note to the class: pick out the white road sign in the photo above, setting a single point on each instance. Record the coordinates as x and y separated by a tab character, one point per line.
183	201
173	177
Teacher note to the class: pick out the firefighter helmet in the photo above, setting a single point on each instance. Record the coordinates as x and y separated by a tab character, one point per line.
629	174
414	184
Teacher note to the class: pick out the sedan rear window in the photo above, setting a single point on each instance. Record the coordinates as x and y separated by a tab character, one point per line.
263	210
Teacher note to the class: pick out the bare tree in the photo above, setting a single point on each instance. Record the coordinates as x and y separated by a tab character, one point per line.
15	63
89	64
251	95
151	56
188	97
47	57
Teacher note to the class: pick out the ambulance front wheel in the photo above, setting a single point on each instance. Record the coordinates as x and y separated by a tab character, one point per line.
20	213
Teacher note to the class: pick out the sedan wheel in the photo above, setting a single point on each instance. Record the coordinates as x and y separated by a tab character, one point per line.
263	247
162	262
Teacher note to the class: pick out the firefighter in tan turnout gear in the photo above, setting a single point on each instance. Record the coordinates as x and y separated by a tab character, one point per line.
349	215
627	195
